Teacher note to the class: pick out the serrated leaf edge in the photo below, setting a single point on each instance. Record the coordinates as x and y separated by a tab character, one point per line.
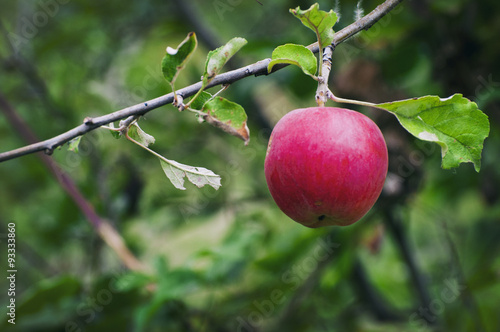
445	150
316	27
186	169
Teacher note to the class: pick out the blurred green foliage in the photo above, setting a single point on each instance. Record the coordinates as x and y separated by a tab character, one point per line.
425	258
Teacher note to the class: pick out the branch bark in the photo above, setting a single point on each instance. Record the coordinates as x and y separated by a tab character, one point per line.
256	69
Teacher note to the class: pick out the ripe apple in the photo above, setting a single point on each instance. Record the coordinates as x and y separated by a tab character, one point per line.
325	165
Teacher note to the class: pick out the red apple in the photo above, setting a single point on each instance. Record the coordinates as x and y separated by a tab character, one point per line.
325	165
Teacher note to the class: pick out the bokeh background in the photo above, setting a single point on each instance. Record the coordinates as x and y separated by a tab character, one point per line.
426	257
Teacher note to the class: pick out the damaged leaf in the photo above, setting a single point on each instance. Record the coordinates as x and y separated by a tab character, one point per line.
228	116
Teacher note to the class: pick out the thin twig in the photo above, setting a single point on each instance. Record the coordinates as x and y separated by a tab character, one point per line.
256	69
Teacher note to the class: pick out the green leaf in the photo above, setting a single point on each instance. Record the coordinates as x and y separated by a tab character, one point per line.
172	284
198	176
455	123
228	116
175	59
132	280
230	258
176	283
74	143
216	59
319	21
58	290
200	100
135	132
297	55
115	133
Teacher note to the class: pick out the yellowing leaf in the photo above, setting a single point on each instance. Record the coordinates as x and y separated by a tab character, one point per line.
228	116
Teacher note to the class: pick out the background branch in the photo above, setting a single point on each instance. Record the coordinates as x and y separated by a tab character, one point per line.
105	230
375	302
256	69
397	230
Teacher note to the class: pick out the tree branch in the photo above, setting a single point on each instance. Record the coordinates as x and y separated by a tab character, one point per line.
256	69
366	22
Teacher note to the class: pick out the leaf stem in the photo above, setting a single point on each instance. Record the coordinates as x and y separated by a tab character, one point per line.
187	106
196	111
320	64
176	165
204	85
110	128
224	87
146	148
176	96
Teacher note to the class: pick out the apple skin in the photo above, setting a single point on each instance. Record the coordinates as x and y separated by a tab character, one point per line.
325	166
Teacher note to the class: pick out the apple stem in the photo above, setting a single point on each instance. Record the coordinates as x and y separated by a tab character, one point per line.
354	102
323	93
350	101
